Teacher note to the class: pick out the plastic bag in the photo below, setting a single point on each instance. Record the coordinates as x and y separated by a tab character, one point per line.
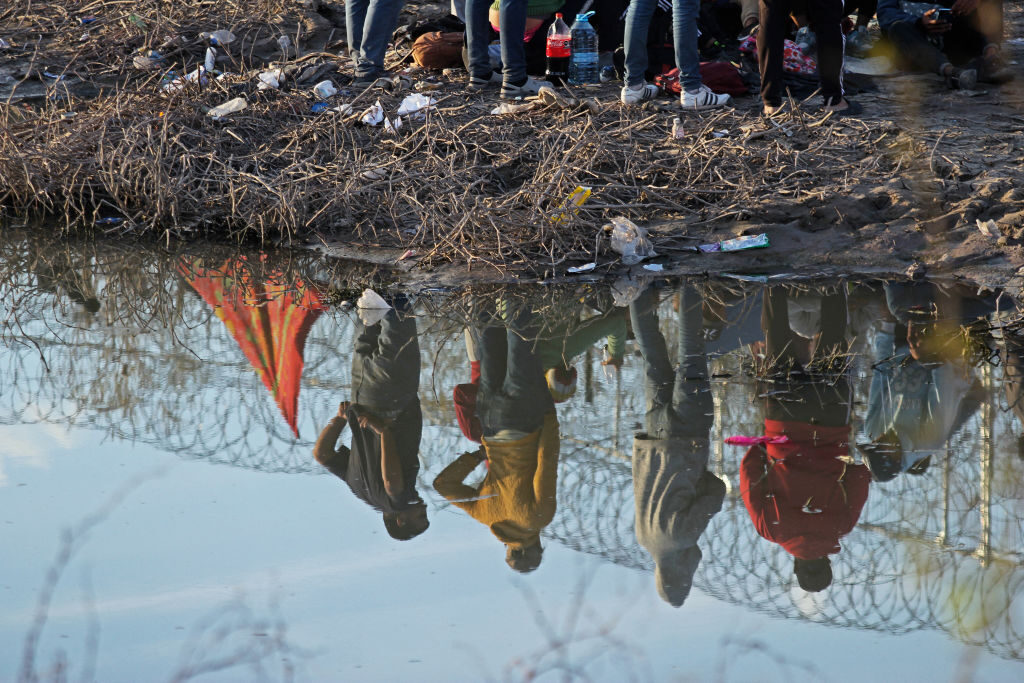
229	107
371	307
630	241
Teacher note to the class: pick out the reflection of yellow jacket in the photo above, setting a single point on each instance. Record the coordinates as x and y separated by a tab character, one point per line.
517	497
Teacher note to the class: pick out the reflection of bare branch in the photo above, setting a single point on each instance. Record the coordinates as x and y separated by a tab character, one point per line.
233	636
71	542
602	648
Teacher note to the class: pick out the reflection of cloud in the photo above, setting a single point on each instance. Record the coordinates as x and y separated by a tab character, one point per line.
195	596
31	445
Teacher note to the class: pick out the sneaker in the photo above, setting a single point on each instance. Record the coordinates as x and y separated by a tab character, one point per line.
703	99
528	89
993	69
478	83
962	79
364	80
640	93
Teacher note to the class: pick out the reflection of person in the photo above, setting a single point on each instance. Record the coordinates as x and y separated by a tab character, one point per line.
556	349
519	432
674	493
805	493
920	379
386	423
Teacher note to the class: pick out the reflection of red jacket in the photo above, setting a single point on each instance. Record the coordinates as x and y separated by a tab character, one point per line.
800	494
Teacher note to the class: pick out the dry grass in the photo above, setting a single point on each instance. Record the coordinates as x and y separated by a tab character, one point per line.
461	185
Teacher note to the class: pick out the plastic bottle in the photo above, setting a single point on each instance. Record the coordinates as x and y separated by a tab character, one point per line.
559	50
584	63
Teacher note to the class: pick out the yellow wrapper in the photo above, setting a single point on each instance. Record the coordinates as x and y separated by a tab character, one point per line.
573	202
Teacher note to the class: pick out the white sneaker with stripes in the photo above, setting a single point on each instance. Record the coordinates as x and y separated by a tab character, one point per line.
703	99
638	94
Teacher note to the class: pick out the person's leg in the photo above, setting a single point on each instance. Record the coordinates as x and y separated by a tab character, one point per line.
965	42
770	49
478	37
750	13
381	19
914	48
988	19
777	333
832	338
684	33
643	312
826	17
355	17
638	20
691	397
525	389
400	349
512	22
866	12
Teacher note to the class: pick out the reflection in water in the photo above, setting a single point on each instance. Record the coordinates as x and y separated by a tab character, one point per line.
800	486
632	468
519	435
386	422
675	495
269	318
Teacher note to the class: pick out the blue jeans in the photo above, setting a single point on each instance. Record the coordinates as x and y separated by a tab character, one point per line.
478	37
513	393
684	30
512	22
369	25
678	399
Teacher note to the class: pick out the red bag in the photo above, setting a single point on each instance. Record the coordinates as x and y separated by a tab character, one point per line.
721	77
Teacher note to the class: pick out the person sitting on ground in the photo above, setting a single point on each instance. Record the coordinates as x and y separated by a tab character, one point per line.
967	55
695	95
369	25
519	432
826	21
922	389
386	422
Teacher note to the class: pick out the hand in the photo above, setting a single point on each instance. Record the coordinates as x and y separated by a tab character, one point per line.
613	362
932	24
373	422
964	7
343	408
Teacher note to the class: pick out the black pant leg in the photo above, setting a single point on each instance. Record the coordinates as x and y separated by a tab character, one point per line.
914	49
826	19
770	48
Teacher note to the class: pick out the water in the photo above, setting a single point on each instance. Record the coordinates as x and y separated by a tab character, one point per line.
583	62
222	543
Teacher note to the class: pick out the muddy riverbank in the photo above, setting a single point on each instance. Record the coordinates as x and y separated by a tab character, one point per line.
466	194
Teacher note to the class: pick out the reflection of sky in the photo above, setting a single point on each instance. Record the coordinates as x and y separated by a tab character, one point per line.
439	607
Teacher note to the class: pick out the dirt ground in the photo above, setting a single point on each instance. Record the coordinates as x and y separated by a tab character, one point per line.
900	188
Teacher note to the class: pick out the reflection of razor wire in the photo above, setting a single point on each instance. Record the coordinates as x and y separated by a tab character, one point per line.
938	551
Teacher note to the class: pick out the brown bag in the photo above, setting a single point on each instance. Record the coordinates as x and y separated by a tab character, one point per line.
438	50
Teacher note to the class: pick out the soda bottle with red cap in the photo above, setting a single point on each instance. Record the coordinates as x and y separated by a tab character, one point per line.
559	51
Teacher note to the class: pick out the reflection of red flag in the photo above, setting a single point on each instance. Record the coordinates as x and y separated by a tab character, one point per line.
270	321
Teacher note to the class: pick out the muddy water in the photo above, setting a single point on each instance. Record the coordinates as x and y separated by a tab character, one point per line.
167	511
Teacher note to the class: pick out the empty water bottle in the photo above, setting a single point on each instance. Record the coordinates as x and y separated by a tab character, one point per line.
583	64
